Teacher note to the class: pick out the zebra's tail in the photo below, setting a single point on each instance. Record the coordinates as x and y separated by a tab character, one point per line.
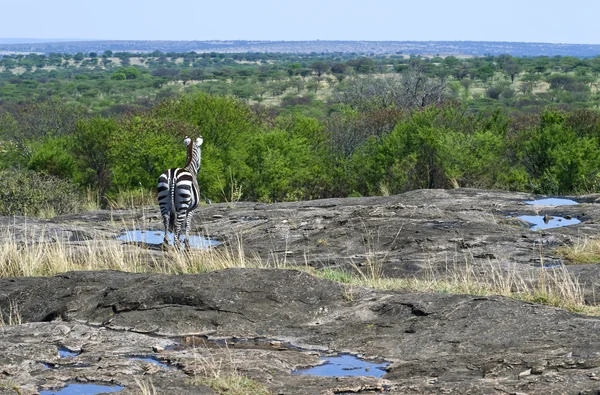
172	212
172	217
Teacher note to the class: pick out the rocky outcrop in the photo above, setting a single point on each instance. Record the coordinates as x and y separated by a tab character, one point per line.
266	323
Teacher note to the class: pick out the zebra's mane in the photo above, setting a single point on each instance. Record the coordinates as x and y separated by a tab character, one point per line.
190	153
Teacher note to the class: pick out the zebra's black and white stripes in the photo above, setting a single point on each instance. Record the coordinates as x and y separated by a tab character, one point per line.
178	193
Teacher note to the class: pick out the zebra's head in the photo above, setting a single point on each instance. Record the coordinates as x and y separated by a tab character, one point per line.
193	155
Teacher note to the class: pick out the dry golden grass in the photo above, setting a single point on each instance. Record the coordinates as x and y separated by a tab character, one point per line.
218	370
12	316
145	386
33	256
10	385
549	286
137	198
233	385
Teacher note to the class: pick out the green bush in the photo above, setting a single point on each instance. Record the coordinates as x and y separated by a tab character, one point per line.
556	158
433	148
53	157
25	192
227	125
143	148
288	163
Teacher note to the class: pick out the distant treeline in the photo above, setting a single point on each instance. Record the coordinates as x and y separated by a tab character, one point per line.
112	83
470	48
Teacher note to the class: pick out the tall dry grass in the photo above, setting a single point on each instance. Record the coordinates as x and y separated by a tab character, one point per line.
553	286
33	255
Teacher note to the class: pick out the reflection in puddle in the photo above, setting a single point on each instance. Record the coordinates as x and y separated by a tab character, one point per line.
65	353
345	365
83	389
552	202
156	237
547	222
151	360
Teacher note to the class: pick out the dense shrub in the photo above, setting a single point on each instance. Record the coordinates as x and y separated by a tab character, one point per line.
143	148
25	192
289	162
434	148
557	158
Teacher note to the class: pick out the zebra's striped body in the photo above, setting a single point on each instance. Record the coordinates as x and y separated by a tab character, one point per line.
178	193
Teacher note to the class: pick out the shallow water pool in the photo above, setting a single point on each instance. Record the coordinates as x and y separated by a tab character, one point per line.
156	237
83	389
64	353
552	202
539	222
345	365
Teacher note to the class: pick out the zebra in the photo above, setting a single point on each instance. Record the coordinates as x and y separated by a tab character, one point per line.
178	194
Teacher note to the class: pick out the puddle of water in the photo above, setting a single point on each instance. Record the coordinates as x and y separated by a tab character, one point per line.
552	202
151	360
83	389
546	222
64	353
345	365
156	237
548	265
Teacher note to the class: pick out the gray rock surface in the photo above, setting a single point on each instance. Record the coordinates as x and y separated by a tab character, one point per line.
265	323
436	343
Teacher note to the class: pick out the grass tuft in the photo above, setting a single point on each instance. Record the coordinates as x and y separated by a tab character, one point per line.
234	385
145	387
12	316
217	370
584	251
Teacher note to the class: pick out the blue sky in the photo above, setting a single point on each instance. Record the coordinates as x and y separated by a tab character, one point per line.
574	21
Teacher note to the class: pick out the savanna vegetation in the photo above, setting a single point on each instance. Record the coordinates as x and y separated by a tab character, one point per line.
97	129
88	130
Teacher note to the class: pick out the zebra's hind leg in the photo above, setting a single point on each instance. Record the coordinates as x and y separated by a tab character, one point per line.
177	230
188	221
166	220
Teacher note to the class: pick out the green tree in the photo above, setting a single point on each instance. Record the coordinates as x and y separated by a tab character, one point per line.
511	68
320	68
92	140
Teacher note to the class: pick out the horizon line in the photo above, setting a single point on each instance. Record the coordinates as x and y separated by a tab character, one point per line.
26	40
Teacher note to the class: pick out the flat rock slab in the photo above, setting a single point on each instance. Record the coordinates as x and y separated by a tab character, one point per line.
275	321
